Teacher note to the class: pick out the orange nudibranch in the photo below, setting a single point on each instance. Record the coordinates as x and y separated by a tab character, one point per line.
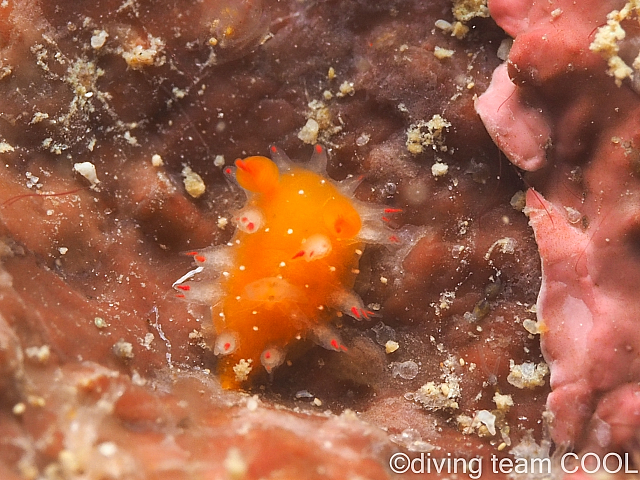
290	267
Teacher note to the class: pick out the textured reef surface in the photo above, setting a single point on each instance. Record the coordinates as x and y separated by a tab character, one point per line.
117	120
565	107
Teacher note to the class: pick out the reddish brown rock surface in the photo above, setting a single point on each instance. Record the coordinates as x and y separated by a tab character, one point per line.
103	373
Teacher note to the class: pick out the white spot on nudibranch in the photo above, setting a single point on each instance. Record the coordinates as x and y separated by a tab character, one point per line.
315	247
271	358
249	220
225	344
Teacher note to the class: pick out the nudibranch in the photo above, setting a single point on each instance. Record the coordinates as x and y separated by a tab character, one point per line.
290	267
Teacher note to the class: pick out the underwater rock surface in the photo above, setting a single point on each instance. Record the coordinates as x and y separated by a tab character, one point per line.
116	121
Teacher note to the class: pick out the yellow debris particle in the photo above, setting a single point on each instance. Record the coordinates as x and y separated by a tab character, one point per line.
38	354
223	222
98	39
319	126
309	133
193	183
433	396
123	350
139	56
439	169
465	10
38	117
533	327
444	388
505	245
459	30
503	402
6	148
219	161
36	401
346	88
100	322
485	423
131	140
482	423
242	369
527	375
556	13
443	53
464	424
88	171
391	346
519	200
427	134
606	42
156	160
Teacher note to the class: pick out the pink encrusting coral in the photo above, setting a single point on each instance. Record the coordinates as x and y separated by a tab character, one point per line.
585	219
519	129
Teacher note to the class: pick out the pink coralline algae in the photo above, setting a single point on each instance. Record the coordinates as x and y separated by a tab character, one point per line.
559	110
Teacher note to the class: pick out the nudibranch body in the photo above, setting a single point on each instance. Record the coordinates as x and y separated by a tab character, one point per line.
289	268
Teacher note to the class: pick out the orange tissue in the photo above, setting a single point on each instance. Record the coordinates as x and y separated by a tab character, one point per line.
290	266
